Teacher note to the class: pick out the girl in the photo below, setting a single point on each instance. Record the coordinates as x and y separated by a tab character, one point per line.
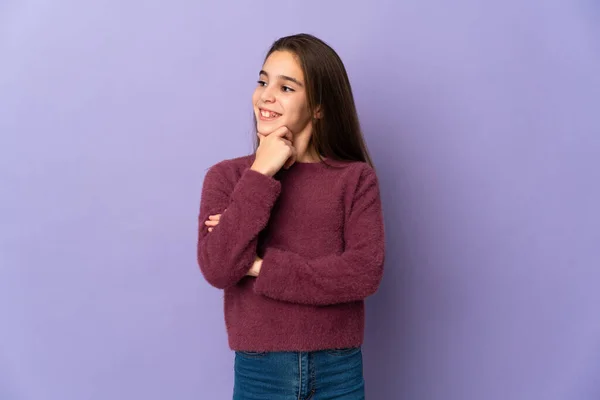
294	232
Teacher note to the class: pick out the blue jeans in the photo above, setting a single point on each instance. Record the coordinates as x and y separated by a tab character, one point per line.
317	375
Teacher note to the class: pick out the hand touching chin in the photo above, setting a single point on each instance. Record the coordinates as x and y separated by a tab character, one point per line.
267	129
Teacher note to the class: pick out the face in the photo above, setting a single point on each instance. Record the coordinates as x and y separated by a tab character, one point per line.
280	97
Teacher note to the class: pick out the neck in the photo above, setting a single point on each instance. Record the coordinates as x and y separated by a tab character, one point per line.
308	156
306	153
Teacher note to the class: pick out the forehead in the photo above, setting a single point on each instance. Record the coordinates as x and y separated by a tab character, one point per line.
283	63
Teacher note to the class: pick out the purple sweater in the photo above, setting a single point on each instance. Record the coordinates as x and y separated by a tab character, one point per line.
320	233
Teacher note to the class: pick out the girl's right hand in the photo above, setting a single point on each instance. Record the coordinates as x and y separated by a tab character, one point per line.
275	150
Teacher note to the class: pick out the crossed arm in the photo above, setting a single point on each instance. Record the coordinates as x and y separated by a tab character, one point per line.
286	276
211	222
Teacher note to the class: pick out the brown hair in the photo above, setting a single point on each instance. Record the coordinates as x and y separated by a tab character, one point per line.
337	134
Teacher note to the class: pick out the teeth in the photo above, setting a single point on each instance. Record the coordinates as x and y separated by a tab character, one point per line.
268	114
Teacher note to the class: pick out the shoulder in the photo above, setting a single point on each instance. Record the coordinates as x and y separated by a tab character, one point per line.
362	182
234	163
229	170
355	172
355	179
231	166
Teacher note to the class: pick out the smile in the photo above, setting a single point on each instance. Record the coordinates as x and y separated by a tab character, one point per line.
268	115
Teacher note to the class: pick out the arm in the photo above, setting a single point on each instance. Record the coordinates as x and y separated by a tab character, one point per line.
337	278
227	253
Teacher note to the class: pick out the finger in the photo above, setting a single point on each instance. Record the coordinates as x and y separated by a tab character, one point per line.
290	161
283	131
210	229
211	223
214	217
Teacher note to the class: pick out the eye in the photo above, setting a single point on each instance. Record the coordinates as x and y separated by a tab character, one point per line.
261	83
287	89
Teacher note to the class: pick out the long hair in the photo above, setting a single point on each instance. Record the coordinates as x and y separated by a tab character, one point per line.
336	134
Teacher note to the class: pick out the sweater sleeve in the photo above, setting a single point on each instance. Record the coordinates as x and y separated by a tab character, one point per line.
338	278
226	254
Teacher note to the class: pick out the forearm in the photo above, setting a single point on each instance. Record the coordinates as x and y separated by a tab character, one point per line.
351	276
226	253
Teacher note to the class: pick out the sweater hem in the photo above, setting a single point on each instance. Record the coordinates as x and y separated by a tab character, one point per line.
317	345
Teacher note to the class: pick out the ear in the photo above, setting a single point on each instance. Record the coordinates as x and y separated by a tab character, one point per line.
318	114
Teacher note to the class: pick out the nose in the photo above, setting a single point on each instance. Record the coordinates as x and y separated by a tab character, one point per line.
267	95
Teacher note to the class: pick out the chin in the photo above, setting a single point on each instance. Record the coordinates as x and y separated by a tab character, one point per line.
268	127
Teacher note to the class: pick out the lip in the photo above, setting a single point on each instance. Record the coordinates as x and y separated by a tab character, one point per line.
260	116
266	109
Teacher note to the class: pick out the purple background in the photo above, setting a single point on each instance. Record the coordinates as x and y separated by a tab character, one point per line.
482	117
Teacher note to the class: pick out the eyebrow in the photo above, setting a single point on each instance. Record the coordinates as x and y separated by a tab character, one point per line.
284	77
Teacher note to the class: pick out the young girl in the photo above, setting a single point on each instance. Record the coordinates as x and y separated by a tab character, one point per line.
294	232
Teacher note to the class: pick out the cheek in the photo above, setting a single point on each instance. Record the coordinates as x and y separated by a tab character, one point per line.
300	114
295	110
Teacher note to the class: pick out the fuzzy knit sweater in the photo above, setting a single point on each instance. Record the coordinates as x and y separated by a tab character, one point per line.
319	230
